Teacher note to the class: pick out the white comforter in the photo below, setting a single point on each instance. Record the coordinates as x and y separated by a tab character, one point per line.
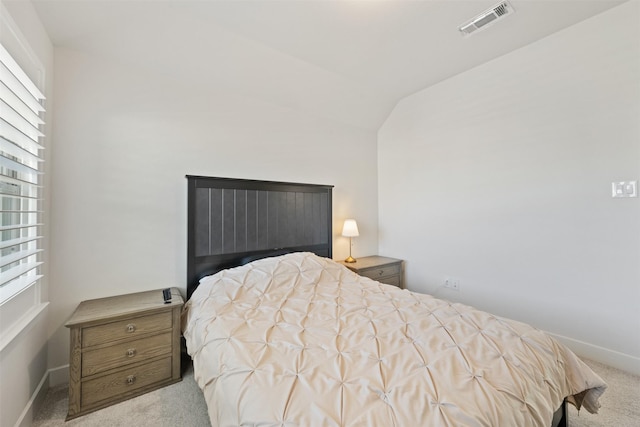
300	340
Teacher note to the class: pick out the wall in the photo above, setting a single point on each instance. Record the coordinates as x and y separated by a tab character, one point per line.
23	319
501	177
127	134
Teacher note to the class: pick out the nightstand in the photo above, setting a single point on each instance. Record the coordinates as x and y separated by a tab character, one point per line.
379	268
121	347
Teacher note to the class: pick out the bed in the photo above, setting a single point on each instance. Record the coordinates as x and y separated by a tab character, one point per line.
280	334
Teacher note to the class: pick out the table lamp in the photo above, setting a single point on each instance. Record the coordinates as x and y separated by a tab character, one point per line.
350	229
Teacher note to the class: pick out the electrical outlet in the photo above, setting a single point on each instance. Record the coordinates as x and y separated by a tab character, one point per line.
624	189
452	283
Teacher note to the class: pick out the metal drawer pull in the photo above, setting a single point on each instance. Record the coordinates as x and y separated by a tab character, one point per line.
131	352
381	272
131	327
131	379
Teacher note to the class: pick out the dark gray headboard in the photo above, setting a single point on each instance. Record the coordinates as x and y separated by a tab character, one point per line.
231	221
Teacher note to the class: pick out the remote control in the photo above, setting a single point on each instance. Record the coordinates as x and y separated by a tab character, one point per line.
166	294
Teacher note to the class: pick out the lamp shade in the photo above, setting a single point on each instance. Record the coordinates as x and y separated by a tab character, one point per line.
350	228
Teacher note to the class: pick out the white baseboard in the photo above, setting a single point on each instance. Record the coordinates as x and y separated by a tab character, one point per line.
609	357
26	417
51	378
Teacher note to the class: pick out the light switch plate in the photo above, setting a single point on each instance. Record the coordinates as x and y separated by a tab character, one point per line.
624	189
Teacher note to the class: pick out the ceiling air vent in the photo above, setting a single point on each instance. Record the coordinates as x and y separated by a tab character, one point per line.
493	14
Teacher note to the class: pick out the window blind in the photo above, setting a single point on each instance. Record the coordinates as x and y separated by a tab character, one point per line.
21	113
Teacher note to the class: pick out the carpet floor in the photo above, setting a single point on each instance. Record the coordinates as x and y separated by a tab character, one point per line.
182	404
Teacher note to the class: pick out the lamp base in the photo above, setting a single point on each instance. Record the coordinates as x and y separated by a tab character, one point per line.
350	259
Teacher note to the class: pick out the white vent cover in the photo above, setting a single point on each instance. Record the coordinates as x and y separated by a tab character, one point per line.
487	17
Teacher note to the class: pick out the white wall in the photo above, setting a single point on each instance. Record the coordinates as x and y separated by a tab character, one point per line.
126	136
501	177
23	319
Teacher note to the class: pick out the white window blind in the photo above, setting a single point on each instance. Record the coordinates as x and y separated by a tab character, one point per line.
21	113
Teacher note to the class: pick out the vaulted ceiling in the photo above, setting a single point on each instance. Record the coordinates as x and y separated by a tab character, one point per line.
351	61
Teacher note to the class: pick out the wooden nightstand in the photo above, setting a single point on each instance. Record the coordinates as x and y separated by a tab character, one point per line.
379	268
122	347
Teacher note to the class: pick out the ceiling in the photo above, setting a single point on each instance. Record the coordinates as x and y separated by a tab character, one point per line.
350	61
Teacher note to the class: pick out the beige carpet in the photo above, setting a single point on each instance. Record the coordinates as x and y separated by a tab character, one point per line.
183	405
178	405
620	402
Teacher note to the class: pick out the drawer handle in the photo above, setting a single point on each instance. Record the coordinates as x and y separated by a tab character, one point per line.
131	379
131	327
380	273
131	352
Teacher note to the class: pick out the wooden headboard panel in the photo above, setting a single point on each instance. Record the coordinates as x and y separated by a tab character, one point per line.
231	221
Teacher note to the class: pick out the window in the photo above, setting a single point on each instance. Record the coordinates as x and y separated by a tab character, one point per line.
21	113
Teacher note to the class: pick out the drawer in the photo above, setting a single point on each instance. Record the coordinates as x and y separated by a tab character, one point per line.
122	354
126	328
392	280
380	272
123	382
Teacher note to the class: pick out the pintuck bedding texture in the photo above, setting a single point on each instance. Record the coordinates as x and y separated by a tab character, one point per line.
299	340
